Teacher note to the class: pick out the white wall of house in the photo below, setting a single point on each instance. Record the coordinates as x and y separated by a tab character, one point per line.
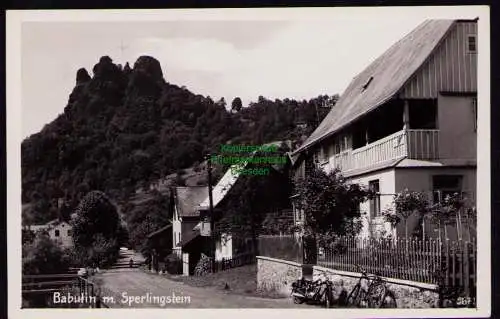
387	186
224	247
176	229
298	218
60	233
421	180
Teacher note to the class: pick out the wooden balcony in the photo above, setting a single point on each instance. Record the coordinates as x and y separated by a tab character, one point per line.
413	144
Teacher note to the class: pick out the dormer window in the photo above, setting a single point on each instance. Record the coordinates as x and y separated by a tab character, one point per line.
471	44
364	87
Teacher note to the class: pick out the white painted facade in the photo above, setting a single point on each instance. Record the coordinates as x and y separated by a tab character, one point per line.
60	233
176	231
373	221
224	247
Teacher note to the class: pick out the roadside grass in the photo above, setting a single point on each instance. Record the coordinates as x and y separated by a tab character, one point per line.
239	280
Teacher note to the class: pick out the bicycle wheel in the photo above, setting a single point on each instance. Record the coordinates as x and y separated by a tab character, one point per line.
297	300
328	297
389	300
354	297
328	301
376	296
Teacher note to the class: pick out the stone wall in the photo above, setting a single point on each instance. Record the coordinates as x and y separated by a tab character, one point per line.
409	294
276	275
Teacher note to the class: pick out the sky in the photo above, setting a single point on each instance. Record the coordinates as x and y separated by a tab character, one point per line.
276	56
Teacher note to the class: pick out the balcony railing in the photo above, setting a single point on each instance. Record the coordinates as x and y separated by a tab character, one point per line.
414	144
423	144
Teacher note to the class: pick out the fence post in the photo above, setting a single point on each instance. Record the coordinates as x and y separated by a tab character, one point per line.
466	268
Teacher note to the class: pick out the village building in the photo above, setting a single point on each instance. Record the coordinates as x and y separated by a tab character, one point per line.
408	121
189	231
185	217
58	231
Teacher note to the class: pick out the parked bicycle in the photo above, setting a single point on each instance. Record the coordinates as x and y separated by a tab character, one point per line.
319	291
371	291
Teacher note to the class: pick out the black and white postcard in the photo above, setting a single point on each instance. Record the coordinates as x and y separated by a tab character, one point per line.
326	162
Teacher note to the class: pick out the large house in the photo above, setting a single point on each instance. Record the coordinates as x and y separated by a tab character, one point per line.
408	121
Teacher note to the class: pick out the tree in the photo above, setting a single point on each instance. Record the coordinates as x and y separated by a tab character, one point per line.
222	102
28	236
97	230
246	206
452	209
120	112
43	256
236	105
145	218
405	204
330	205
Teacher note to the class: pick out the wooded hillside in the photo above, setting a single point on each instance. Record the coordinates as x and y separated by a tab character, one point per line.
128	127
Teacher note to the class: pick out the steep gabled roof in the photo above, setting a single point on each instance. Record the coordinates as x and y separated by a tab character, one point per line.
187	199
382	79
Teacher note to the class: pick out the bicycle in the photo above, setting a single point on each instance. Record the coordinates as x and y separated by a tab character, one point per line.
313	292
371	291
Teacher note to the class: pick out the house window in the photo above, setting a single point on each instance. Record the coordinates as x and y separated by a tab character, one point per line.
445	185
56	233
471	44
340	144
375	201
69	232
332	149
317	157
423	114
179	237
337	147
323	154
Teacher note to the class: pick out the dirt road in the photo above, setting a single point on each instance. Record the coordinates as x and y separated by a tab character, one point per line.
134	288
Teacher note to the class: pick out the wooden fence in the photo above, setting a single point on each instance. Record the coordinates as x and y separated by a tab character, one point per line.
449	263
287	247
235	261
38	291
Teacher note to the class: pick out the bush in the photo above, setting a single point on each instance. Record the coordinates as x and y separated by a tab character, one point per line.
173	264
43	256
204	266
104	253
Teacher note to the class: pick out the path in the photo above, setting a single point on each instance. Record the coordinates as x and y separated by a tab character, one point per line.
121	283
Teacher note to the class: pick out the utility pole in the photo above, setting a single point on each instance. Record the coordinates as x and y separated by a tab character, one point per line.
211	211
